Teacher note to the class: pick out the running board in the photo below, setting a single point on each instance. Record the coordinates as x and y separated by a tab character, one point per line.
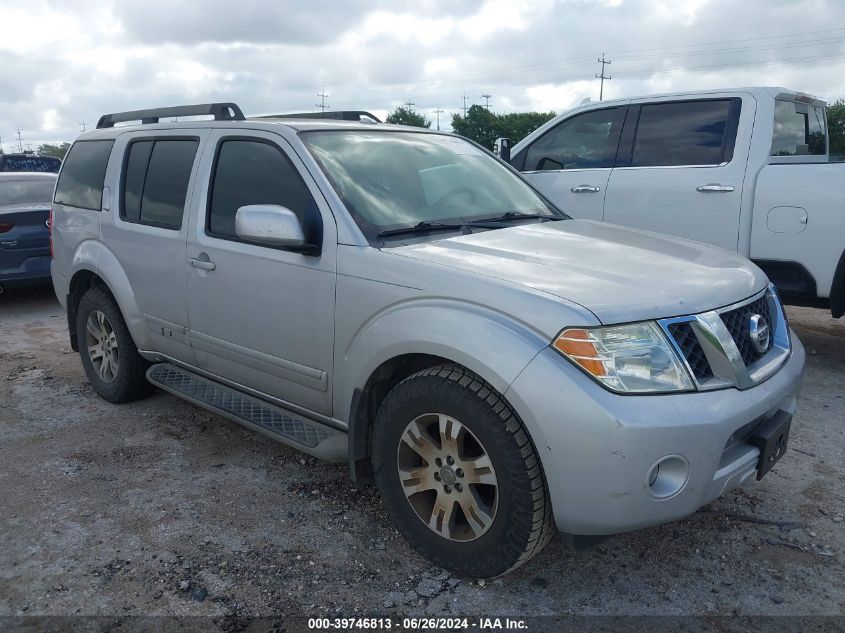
308	436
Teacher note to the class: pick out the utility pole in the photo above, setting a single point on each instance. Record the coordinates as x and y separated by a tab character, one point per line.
20	144
82	123
1	144
465	105
487	101
410	105
322	105
603	63
437	113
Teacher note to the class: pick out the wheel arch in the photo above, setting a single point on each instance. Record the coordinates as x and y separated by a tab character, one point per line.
94	264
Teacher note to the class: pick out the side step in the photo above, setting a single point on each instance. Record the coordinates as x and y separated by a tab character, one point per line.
308	436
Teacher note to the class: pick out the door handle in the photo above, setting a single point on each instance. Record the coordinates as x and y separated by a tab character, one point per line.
715	188
202	264
585	189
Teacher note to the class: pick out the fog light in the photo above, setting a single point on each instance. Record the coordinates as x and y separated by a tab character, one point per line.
667	476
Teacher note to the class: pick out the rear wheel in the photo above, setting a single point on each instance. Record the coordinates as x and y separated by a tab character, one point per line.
111	361
460	474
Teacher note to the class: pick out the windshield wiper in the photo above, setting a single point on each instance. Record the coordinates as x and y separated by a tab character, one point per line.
516	215
423	227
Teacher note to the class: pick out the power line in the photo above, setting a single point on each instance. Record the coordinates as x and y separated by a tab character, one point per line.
437	113
322	105
486	98
604	62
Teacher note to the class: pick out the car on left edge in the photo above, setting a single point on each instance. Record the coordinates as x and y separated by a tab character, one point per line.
25	228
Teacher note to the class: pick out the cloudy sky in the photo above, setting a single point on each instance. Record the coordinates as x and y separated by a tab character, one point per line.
64	62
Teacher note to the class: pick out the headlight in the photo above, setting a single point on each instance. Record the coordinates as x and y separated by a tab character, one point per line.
634	358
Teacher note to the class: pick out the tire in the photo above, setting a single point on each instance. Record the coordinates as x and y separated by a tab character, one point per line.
505	524
115	369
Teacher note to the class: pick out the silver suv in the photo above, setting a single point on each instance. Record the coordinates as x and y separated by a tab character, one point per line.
402	300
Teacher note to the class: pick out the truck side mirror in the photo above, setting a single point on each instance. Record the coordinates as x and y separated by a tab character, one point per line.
502	149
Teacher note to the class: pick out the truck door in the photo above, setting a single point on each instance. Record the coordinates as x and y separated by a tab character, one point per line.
571	163
682	171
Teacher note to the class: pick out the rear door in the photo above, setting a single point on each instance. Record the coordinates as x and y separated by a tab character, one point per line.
571	163
683	170
148	228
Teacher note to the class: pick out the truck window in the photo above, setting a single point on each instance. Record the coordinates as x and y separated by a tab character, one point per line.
254	172
585	141
81	180
799	130
682	133
29	162
155	182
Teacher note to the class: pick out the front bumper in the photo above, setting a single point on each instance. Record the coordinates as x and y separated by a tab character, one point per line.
598	448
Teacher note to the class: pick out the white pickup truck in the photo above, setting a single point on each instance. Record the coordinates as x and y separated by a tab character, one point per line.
745	169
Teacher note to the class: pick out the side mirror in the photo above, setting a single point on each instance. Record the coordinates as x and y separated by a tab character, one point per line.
502	149
269	224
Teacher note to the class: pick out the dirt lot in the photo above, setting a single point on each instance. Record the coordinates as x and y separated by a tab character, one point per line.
161	508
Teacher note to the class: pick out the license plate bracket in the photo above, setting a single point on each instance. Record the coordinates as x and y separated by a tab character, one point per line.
771	437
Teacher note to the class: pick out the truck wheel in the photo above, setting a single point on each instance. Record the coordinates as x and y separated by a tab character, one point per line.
114	368
459	473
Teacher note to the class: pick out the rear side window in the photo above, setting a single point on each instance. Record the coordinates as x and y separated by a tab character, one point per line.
684	133
585	141
799	130
254	172
155	181
81	181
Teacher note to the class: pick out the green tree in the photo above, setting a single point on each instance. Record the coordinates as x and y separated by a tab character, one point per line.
406	116
484	127
836	126
58	151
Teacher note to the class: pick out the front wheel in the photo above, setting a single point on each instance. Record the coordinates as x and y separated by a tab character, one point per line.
111	361
460	474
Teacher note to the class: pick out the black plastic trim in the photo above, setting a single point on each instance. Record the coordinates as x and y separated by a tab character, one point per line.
221	112
837	290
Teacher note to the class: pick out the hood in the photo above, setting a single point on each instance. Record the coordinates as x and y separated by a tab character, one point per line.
619	274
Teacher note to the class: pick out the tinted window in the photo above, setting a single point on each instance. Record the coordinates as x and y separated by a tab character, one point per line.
799	130
133	181
30	163
252	172
685	133
156	181
81	181
585	141
26	191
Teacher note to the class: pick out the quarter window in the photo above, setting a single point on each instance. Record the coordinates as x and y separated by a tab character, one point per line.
155	183
256	172
585	141
81	181
799	130
683	133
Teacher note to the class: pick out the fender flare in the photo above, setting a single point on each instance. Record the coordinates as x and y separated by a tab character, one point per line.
837	290
93	256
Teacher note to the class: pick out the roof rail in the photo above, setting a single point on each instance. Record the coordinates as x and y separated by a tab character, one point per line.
220	111
342	115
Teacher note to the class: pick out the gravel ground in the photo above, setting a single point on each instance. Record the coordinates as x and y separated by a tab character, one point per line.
159	508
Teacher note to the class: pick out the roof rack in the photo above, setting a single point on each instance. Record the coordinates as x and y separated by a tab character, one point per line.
342	115
220	111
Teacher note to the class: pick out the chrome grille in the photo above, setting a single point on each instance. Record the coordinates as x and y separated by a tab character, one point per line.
717	345
691	348
737	323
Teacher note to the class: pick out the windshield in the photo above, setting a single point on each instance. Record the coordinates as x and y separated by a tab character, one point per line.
390	180
26	191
